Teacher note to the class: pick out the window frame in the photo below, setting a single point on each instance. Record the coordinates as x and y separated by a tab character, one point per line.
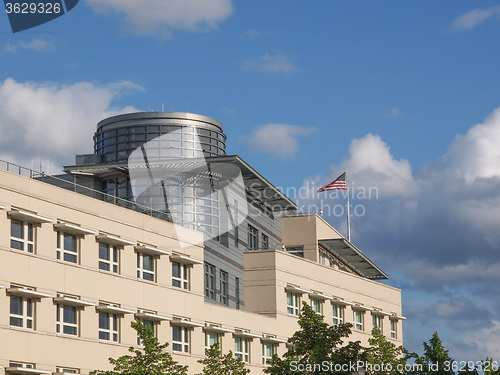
266	345
210	280
377	321
113	323
27	305
208	336
224	287
113	262
253	238
151	323
244	354
394	328
184	342
265	241
141	271
62	252
28	230
319	304
338	314
61	324
182	280
293	308
358	325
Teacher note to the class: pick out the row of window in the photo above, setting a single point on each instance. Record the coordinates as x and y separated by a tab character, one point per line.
338	311
68	322
23	237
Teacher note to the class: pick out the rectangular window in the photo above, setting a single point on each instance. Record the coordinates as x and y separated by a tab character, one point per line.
296	250
377	321
292	303
180	339
241	350
22	236
108	326
237	282
180	275
358	320
67	247
394	326
147	323
265	241
67	370
267	352
316	305
21	312
108	257
224	297
209	281
212	338
67	320
253	238
338	314
145	266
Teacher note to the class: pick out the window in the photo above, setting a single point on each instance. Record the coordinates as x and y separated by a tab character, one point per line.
67	319
241	349
145	266
180	339
292	303
22	236
237	282
358	320
253	238
212	338
394	326
296	250
21	364
265	241
180	275
67	247
377	321
21	312
317	306
209	281
108	326
147	323
108	257
268	349
224	288
338	314
67	370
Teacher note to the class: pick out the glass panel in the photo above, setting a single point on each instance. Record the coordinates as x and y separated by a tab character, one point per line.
69	314
103	321
148	262
69	242
16	305
104	252
69	330
70	258
16	229
17	322
16	245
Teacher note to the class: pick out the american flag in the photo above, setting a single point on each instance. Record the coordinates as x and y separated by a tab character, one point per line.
339	183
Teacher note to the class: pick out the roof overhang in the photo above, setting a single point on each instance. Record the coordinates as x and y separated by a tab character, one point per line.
255	184
353	257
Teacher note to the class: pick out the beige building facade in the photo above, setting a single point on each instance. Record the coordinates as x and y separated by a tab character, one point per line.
76	271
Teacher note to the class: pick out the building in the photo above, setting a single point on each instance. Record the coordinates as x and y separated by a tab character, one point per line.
76	270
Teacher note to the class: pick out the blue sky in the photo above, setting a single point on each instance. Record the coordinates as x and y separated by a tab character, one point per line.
404	94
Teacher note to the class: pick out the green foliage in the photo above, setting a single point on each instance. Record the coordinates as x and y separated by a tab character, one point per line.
382	351
150	360
435	358
217	364
490	367
315	343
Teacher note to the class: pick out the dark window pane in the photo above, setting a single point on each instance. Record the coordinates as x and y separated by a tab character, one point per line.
70	258
103	321
104	252
104	266
17	322
69	314
69	330
16	245
16	229
16	305
103	335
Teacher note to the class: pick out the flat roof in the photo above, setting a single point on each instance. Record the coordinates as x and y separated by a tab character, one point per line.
255	184
353	257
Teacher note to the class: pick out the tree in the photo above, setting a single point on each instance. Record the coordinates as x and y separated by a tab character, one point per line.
435	361
490	367
382	351
150	360
315	344
217	364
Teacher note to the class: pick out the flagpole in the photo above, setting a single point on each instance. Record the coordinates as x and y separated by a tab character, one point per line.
348	223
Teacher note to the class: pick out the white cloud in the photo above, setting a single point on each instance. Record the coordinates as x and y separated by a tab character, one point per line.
277	63
396	113
160	17
53	121
10	48
38	45
277	139
475	17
